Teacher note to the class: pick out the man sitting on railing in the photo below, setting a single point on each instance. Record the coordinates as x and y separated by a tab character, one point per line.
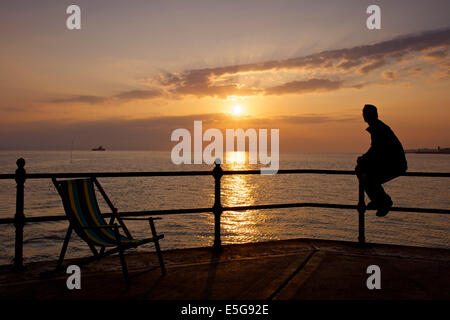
384	161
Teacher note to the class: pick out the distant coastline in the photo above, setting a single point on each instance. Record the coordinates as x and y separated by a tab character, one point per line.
438	150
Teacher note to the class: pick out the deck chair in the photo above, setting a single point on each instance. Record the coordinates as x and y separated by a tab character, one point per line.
83	213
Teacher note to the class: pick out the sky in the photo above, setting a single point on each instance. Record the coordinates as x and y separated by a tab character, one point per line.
137	70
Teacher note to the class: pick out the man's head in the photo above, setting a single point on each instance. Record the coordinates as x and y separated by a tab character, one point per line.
370	113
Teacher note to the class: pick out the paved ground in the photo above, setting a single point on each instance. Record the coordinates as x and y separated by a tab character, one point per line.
286	270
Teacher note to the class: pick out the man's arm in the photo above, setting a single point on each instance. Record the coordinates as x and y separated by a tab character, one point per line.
370	154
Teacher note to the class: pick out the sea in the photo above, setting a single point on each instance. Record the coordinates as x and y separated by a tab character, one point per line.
43	241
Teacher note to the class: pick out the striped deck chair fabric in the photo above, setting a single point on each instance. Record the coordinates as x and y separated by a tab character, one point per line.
82	205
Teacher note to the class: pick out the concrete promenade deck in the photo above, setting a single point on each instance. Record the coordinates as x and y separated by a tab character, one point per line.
285	270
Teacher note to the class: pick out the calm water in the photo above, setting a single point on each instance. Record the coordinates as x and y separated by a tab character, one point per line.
43	241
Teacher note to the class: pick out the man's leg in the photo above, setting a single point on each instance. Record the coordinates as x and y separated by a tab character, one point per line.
383	200
372	178
374	190
372	184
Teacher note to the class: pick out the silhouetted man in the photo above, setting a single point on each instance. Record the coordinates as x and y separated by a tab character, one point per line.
384	161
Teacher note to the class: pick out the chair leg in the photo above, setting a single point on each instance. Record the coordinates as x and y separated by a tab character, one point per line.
158	249
94	251
122	258
64	247
124	268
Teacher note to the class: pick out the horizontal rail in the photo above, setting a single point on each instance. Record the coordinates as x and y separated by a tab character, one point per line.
201	173
63	217
338	172
108	215
108	174
329	206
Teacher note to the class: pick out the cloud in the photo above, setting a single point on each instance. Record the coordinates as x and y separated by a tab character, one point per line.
437	54
306	119
81	99
305	86
365	59
122	96
139	94
372	66
389	75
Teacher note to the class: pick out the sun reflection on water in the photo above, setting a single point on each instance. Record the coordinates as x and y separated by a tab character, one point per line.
238	190
237	159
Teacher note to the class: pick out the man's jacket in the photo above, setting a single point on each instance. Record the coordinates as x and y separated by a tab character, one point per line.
386	151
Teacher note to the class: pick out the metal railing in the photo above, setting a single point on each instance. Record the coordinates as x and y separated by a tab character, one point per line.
20	176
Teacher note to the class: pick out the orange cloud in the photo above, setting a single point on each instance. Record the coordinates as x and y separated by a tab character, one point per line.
365	59
122	96
305	86
389	75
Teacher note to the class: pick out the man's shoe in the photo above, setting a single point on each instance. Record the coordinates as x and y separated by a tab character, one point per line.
384	210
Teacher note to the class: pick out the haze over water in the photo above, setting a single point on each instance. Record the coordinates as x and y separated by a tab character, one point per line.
43	241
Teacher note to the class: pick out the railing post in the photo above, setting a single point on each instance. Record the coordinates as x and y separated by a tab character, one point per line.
361	214
19	217
217	207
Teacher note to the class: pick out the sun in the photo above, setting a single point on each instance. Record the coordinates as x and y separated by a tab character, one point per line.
237	110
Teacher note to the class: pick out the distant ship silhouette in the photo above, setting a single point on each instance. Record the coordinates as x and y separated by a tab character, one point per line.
100	148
